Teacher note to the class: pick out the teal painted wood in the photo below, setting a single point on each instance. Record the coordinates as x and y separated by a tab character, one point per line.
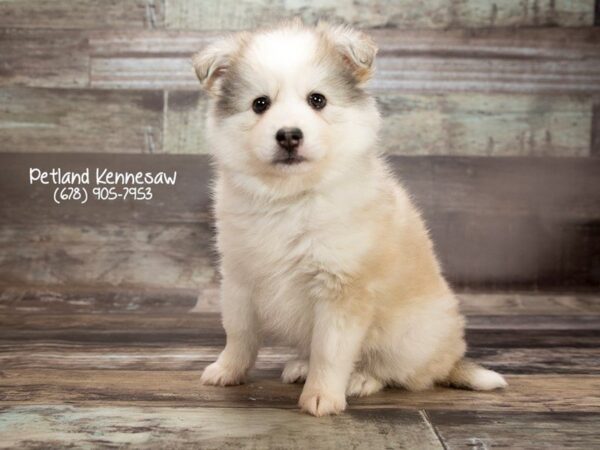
81	14
235	14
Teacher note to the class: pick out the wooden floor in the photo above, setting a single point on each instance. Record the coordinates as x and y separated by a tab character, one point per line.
122	368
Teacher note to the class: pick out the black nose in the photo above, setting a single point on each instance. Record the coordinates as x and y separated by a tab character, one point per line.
289	138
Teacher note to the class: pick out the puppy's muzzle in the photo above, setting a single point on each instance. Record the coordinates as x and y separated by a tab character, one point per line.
289	140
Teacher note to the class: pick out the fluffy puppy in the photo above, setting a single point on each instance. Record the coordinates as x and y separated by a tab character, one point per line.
319	245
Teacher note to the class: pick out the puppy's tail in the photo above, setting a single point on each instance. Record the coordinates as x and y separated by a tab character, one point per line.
468	375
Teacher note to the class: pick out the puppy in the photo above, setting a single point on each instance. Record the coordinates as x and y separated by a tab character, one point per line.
319	245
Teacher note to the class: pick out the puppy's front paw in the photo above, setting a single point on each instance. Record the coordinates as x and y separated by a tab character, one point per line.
218	375
295	371
320	403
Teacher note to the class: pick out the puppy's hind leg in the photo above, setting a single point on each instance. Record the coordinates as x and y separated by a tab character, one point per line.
362	384
295	371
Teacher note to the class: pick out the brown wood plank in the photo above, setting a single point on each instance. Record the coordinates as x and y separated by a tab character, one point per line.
557	360
27	323
595	145
80	120
231	14
496	222
71	299
182	388
39	354
89	300
491	338
143	329
205	329
523	303
83	14
541	322
528	228
85	356
543	430
212	428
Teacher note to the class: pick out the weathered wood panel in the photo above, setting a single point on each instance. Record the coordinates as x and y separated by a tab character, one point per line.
595	145
231	14
508	61
151	256
205	330
90	300
486	124
80	120
118	300
136	356
491	338
541	322
21	326
43	57
85	356
182	388
557	360
482	430
185	117
547	60
437	124
49	120
528	304
72	14
518	222
211	428
533	215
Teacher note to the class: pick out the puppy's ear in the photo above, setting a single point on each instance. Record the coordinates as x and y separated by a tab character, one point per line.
215	60
356	48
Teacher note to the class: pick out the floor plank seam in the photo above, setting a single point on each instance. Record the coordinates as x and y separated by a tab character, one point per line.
427	420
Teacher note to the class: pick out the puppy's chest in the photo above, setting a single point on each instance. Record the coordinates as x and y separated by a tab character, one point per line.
295	259
295	255
297	244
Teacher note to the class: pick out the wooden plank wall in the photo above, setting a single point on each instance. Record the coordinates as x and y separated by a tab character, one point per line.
491	115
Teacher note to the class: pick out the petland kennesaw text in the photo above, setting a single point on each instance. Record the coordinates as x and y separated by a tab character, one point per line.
103	176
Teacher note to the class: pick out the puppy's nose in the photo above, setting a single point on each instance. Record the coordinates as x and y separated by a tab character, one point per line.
289	138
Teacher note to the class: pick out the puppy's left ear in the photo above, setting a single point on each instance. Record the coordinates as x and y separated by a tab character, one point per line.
356	48
212	62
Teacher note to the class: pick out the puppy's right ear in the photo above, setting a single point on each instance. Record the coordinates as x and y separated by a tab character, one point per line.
212	62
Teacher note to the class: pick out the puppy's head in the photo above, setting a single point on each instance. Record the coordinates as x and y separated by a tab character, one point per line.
287	104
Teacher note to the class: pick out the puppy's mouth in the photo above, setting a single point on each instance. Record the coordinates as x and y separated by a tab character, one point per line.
289	160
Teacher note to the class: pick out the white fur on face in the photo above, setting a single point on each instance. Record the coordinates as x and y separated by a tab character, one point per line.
287	66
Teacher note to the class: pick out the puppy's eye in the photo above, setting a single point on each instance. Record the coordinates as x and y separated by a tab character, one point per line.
261	104
317	101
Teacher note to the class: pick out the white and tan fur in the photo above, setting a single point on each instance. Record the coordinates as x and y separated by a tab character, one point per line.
328	255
